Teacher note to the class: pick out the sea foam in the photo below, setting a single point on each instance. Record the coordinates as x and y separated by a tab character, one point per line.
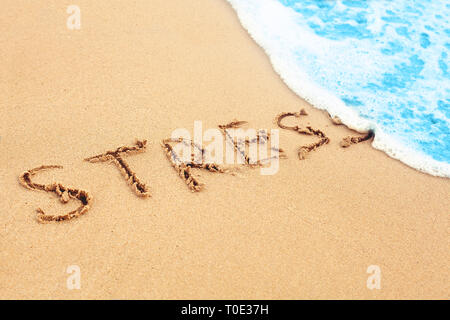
378	65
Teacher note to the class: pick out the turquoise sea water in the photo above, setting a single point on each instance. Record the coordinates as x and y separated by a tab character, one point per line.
378	64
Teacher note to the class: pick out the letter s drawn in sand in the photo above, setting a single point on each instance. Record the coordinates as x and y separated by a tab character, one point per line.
115	156
303	150
64	194
349	140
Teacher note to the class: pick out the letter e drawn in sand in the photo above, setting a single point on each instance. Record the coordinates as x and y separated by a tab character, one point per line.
64	194
240	140
308	130
116	157
184	167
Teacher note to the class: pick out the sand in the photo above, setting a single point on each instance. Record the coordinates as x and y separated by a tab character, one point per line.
140	69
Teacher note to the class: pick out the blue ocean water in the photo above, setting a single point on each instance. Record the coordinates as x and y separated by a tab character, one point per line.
377	64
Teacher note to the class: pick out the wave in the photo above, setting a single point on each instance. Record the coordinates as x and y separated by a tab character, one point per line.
370	64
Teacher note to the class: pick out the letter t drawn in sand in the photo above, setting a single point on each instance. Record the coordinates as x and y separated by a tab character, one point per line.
116	157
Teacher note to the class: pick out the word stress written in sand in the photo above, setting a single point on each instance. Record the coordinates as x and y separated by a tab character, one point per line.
192	156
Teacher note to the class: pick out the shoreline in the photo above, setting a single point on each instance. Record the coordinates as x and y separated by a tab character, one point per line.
309	231
300	83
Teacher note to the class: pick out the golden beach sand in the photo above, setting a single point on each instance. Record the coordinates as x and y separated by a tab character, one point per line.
140	69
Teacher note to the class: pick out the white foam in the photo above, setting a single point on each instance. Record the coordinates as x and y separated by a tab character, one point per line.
273	27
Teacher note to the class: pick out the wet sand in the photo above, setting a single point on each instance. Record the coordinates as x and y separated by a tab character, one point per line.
141	69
